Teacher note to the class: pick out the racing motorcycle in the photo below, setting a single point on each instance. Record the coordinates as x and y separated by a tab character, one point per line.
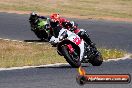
40	29
75	50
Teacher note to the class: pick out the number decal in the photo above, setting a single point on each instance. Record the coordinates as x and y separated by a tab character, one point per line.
77	40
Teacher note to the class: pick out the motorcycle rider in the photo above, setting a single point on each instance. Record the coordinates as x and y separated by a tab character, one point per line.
40	28
34	19
58	22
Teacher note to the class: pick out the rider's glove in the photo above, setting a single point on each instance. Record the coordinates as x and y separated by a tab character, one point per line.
72	29
72	23
53	41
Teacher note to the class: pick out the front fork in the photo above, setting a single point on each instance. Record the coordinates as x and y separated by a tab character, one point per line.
72	50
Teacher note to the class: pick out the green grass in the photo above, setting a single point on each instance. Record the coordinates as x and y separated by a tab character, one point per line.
82	8
112	53
22	54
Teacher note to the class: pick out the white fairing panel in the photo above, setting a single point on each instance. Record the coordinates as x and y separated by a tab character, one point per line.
56	40
81	45
71	36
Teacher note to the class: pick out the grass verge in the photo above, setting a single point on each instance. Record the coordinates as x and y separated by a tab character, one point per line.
112	53
83	8
15	54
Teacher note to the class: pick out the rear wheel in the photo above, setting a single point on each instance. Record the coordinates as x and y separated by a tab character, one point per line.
73	60
97	61
41	34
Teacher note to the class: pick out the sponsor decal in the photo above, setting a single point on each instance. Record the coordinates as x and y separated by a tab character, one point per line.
84	78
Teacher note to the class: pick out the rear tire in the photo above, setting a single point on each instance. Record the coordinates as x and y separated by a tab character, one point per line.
97	61
41	34
69	59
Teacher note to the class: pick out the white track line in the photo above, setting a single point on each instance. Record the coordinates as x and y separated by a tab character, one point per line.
6	39
117	59
21	41
26	67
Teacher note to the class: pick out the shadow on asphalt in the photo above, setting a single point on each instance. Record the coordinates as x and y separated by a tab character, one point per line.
57	67
38	41
123	62
35	41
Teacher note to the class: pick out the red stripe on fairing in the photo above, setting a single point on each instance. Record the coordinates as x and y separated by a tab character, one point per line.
70	48
77	41
76	31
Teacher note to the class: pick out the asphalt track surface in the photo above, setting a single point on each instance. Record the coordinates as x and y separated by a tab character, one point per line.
104	33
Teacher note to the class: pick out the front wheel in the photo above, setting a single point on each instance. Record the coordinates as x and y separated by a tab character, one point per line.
74	61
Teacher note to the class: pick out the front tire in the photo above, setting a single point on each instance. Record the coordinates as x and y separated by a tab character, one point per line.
69	59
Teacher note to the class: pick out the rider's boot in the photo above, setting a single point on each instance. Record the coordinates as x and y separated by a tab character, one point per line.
86	38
